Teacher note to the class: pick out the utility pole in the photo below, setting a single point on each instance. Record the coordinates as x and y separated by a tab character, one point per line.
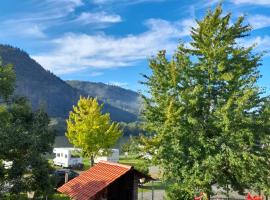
66	177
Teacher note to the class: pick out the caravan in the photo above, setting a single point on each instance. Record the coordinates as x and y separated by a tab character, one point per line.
67	157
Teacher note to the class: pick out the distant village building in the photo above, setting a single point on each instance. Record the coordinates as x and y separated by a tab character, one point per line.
105	181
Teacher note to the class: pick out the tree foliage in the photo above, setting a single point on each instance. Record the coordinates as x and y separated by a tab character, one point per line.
7	80
90	130
24	140
209	118
132	128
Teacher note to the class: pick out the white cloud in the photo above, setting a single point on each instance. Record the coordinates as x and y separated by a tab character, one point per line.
98	17
103	2
262	43
75	52
259	21
33	31
252	2
46	10
27	30
58	6
34	22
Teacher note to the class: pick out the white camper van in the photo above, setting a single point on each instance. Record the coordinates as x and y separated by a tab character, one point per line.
67	157
113	157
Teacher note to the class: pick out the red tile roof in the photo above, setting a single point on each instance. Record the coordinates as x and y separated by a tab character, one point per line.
94	180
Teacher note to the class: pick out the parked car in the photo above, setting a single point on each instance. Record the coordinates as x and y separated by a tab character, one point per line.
59	175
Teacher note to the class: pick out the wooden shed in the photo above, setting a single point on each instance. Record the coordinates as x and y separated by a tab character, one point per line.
105	181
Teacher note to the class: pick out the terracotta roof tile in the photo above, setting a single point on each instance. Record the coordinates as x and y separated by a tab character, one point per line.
94	180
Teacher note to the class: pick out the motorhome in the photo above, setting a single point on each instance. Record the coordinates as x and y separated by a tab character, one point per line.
67	157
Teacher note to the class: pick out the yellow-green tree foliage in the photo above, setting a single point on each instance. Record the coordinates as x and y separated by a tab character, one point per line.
90	130
208	116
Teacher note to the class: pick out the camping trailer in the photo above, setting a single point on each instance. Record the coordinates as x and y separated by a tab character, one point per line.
67	157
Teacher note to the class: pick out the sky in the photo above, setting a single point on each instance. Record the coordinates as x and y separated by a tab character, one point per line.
111	41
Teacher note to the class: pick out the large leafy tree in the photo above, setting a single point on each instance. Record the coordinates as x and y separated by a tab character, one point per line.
25	138
208	118
90	130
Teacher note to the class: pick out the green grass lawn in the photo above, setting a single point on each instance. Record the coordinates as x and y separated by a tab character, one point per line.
139	164
130	160
157	185
58	196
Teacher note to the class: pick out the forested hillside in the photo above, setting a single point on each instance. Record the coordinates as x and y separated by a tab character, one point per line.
119	97
45	89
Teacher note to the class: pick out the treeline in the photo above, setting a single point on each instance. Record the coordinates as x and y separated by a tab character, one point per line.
132	129
116	96
129	129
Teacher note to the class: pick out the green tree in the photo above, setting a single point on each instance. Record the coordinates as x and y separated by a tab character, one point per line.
90	130
132	145
25	138
7	80
208	118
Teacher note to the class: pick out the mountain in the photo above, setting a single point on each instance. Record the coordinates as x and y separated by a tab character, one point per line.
44	88
121	98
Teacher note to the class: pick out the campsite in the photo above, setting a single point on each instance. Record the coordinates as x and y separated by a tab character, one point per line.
135	100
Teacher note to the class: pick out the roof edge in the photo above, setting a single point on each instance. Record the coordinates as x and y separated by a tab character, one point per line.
116	164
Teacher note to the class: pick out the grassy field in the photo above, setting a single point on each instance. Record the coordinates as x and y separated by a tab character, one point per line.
130	160
58	196
156	185
139	164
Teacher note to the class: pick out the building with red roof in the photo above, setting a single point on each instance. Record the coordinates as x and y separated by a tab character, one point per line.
105	180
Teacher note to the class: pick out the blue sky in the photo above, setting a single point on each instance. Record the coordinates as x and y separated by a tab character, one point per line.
110	41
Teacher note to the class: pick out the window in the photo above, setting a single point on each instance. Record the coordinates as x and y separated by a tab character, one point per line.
58	155
61	154
65	155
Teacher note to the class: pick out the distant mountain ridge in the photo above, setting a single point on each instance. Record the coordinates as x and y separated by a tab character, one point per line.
121	98
44	88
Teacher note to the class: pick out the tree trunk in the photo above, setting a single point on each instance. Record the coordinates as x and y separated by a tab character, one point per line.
92	161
